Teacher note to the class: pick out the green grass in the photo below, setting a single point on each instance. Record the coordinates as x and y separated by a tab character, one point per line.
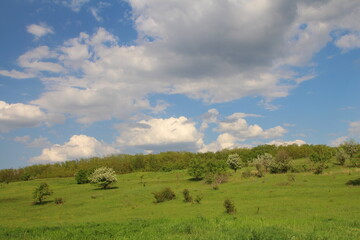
311	207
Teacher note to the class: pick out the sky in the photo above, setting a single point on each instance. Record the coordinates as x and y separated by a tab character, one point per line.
84	78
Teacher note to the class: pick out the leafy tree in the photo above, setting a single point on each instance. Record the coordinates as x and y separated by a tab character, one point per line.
234	161
103	177
351	147
264	160
197	169
82	176
341	156
321	154
281	163
41	192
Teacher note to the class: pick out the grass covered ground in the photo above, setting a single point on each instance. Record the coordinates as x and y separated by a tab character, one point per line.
273	207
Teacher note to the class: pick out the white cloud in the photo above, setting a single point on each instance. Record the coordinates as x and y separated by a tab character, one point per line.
16	74
336	142
279	142
40	142
19	115
354	129
39	30
349	41
189	47
75	5
156	134
95	13
79	146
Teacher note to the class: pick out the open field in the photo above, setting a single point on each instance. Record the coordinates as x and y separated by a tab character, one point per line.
311	207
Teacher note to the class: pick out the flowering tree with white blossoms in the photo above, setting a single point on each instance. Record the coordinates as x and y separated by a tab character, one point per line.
103	177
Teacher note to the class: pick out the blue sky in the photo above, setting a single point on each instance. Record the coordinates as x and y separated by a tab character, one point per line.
82	78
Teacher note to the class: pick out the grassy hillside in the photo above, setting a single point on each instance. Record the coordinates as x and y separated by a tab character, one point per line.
273	207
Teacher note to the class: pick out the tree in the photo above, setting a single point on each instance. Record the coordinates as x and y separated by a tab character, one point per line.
41	192
341	156
103	177
281	163
264	160
351	147
196	169
82	176
234	161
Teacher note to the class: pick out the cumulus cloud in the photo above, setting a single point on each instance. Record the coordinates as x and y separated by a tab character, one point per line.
79	146
39	30
19	115
349	41
279	142
190	48
157	134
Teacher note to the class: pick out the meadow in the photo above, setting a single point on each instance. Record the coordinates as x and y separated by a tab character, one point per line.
277	206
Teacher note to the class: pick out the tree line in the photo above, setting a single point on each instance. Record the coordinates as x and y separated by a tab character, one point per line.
168	161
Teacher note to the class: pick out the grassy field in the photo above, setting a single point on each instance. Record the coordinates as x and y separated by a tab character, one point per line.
273	207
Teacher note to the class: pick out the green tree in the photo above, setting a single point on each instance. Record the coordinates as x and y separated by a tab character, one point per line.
197	169
351	147
341	156
82	176
234	161
41	192
281	163
103	177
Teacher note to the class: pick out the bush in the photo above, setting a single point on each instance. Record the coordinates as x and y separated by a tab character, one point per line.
59	201
341	156
281	163
355	182
187	196
198	199
103	177
246	174
265	160
165	195
229	206
319	168
82	176
41	192
197	169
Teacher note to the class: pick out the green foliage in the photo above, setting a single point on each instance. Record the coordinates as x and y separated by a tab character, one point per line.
41	192
165	195
341	156
355	182
351	147
197	169
229	206
103	177
321	154
234	161
187	196
319	167
281	163
82	176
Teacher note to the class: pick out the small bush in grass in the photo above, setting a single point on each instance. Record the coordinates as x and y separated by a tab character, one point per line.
59	201
198	199
165	195
229	206
355	182
41	192
187	196
319	168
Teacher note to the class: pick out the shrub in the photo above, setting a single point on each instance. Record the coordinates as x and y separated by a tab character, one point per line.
351	147
196	169
165	195
321	154
229	206
319	168
59	201
198	199
281	163
246	174
265	160
341	156
355	182
41	192
187	196
82	176
234	161
103	177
